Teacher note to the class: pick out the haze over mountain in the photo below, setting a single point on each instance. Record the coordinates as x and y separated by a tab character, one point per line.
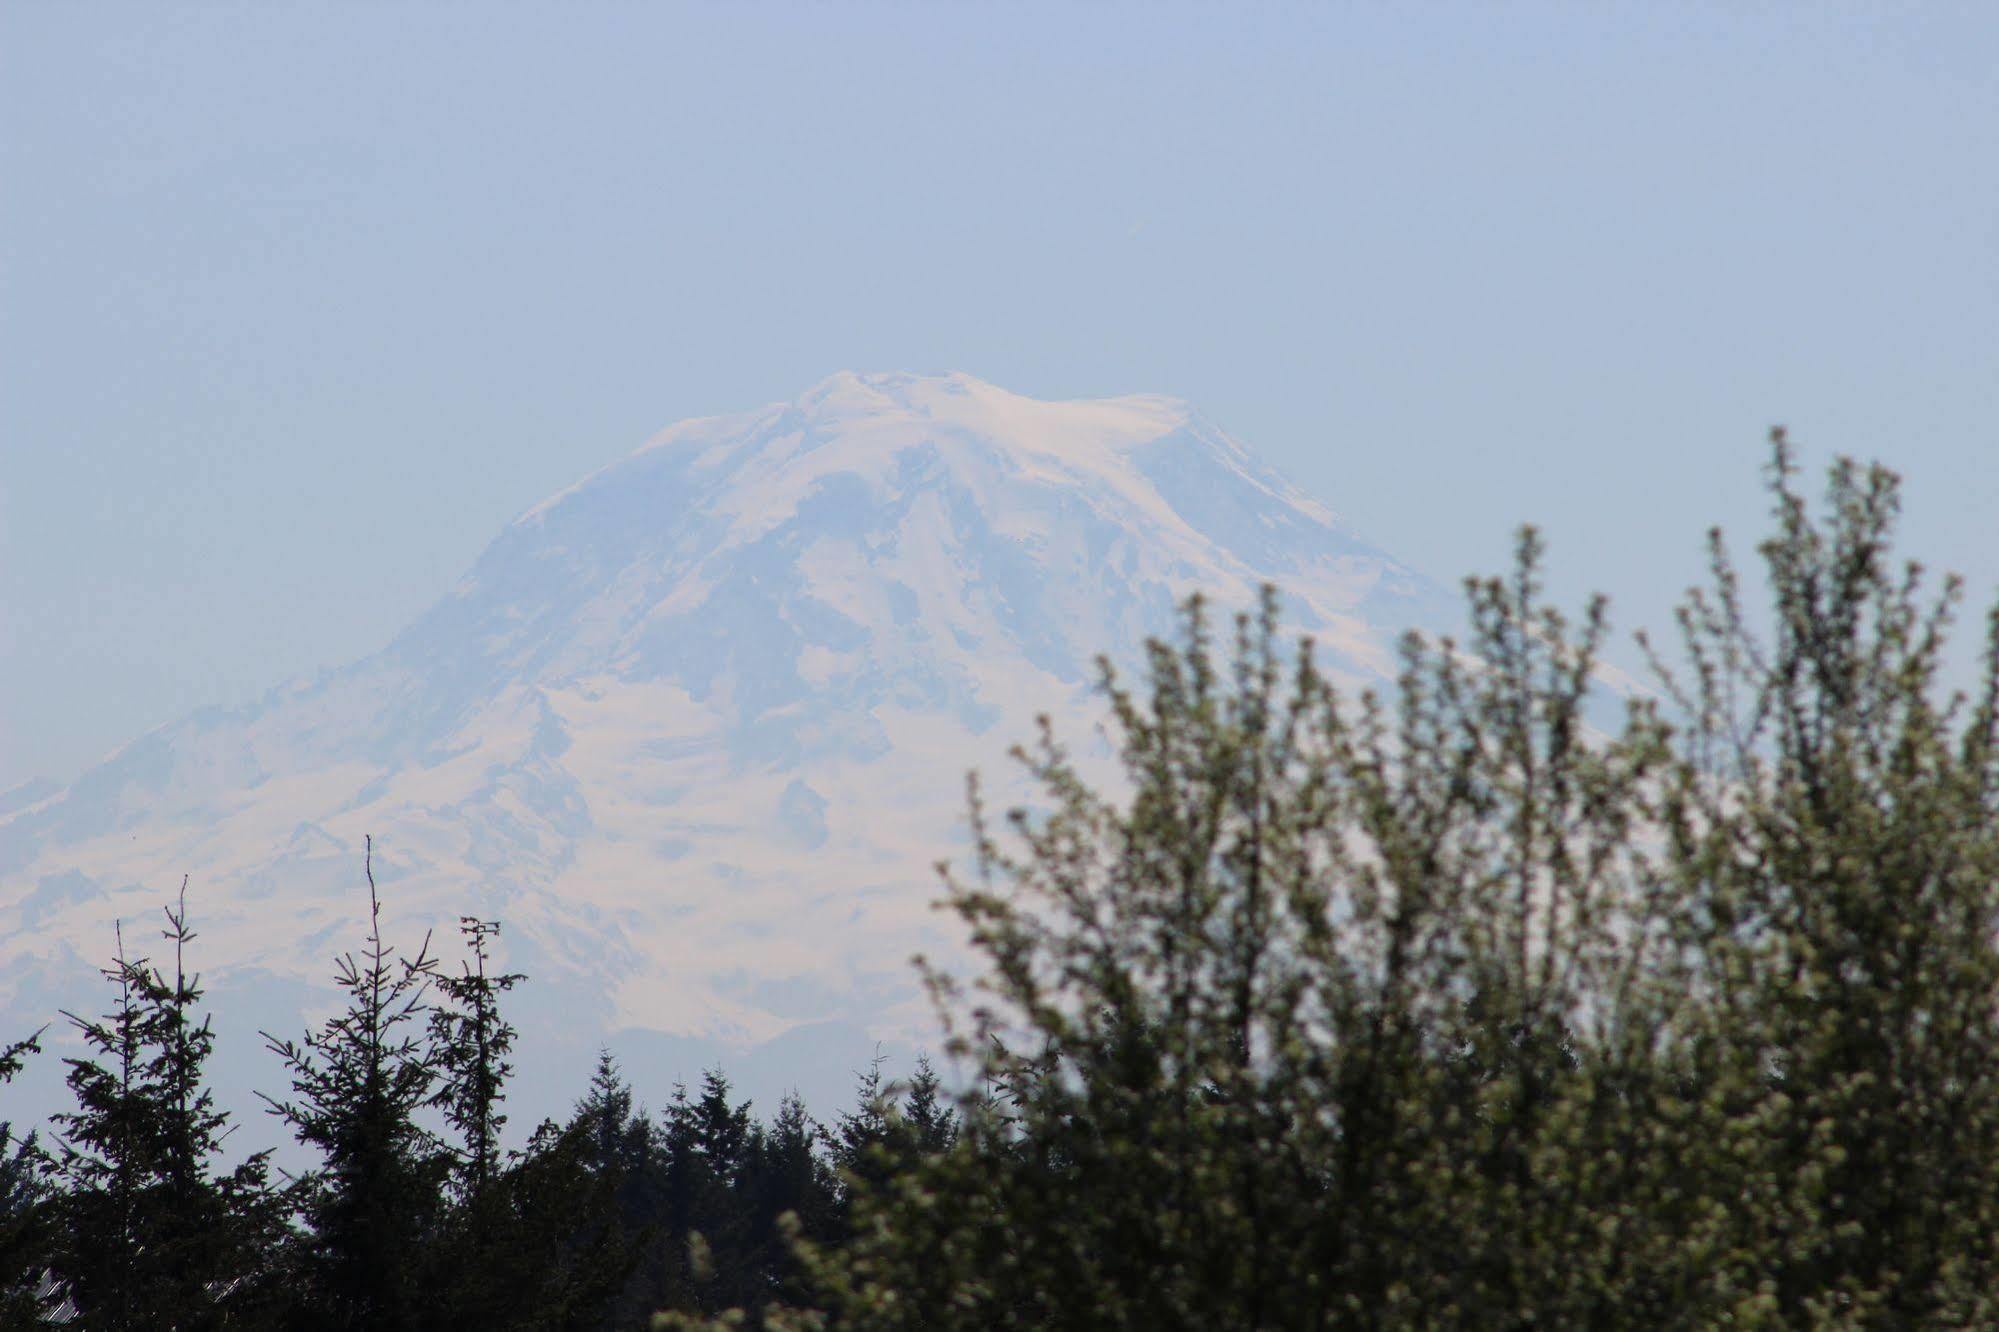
695	728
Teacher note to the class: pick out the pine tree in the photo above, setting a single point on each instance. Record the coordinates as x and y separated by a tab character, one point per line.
933	1126
860	1143
620	1152
790	1189
550	1261
24	1197
522	1243
373	1205
892	1127
470	1045
719	1133
149	1235
617	1133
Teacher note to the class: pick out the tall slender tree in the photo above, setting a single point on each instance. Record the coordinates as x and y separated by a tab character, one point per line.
374	1202
24	1194
470	1047
150	1233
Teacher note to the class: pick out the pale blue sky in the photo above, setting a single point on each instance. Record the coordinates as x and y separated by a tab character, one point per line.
299	304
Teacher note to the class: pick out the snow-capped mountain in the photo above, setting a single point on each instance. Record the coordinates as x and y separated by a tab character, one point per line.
696	728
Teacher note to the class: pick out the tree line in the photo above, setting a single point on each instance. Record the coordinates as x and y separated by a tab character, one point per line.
415	1214
1460	1005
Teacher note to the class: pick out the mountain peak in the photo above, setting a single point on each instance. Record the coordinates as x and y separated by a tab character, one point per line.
697	726
956	400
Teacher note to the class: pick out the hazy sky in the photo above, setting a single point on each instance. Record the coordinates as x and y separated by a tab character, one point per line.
299	304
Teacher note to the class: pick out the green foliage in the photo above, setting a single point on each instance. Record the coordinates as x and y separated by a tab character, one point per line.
24	1193
516	1244
406	1227
1473	1006
1462	1010
146	1233
470	1043
1837	816
357	1084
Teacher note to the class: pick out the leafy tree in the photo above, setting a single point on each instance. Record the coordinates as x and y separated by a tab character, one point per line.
1461	1010
1840	815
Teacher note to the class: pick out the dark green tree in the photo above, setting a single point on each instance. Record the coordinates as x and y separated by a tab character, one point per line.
708	1154
549	1261
892	1126
470	1048
375	1202
520	1243
789	1188
861	1143
620	1153
149	1232
932	1124
24	1195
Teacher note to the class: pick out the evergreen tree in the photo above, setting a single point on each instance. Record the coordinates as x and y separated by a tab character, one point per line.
148	1234
710	1140
892	1127
549	1261
24	1195
620	1153
617	1134
790	1189
374	1203
520	1244
860	1144
933	1126
470	1045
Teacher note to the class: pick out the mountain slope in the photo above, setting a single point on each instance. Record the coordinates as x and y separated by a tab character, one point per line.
696	727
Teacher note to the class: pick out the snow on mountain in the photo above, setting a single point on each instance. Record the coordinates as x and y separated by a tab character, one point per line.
696	728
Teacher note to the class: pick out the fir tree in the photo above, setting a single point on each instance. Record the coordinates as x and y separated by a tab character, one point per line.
24	1195
521	1244
932	1124
861	1140
620	1152
790	1189
149	1235
373	1204
714	1137
470	1045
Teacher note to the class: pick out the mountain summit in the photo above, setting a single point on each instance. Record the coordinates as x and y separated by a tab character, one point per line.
696	727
